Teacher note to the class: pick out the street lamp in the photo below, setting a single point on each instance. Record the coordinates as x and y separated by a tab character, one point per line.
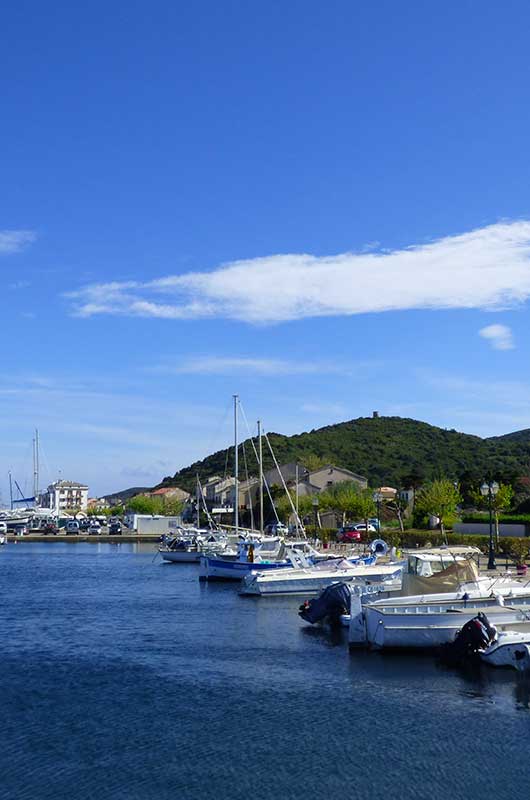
377	497
489	490
315	503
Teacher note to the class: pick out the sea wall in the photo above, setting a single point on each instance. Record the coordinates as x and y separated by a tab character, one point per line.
484	528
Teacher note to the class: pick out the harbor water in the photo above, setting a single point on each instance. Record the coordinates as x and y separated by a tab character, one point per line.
123	678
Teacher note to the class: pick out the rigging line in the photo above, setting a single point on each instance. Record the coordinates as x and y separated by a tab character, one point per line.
208	515
225	474
44	460
265	483
299	521
248	485
214	440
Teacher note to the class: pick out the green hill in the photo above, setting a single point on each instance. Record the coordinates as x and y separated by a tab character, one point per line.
384	449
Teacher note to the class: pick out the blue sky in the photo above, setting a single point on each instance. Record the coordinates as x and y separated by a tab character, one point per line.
323	207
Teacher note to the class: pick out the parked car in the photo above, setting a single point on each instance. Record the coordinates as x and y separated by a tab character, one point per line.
353	533
72	526
20	529
94	529
50	529
348	535
115	528
277	529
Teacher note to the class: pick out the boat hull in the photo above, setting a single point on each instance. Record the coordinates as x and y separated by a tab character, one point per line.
219	569
181	556
312	584
430	627
511	649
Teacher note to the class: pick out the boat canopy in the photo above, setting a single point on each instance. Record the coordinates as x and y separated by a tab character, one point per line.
421	579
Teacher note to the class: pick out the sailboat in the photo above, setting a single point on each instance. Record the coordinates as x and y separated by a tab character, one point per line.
255	551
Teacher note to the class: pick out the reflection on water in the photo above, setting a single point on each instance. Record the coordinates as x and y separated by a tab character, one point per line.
125	678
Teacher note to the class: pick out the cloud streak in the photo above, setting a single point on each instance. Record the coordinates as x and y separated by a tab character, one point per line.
499	336
14	241
488	268
221	365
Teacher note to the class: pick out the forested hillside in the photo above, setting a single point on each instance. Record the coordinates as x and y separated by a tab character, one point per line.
387	450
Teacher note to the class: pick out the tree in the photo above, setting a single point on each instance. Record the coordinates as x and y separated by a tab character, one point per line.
398	507
284	508
312	462
440	499
141	504
366	506
343	497
171	506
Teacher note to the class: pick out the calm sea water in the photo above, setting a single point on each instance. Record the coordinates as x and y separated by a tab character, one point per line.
124	678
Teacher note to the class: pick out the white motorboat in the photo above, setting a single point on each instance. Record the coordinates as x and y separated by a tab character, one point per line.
478	638
424	625
308	579
433	617
509	649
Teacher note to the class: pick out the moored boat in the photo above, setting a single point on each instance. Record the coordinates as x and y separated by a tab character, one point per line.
311	579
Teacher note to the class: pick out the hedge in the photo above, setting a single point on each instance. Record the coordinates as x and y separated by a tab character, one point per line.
509	546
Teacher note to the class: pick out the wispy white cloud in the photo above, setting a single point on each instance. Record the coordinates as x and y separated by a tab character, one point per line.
499	336
487	268
19	285
221	365
13	241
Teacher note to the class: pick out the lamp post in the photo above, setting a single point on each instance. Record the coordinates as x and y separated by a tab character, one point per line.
489	490
377	497
315	503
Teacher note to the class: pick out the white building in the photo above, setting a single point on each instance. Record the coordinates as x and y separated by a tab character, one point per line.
61	496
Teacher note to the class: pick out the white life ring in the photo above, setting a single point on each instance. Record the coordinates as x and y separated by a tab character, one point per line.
379	547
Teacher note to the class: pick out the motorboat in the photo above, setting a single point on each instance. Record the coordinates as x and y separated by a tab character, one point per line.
479	639
424	625
306	578
433	617
509	649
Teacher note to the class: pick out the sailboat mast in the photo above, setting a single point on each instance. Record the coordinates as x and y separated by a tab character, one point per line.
36	466
236	468
297	516
198	502
260	478
10	492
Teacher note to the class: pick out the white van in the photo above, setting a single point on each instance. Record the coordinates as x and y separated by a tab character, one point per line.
72	526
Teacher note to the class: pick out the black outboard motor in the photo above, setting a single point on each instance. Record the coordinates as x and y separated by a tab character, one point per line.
477	634
333	601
